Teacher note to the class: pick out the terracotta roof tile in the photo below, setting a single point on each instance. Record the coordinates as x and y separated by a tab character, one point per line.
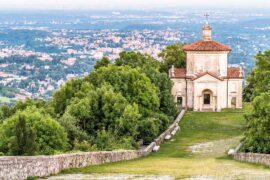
206	46
178	73
235	73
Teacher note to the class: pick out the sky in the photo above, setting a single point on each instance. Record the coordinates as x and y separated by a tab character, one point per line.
131	4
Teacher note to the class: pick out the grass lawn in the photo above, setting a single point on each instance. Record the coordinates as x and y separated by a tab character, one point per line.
199	149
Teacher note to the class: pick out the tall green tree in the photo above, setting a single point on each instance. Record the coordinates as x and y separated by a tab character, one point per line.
104	62
61	98
261	74
24	143
257	134
134	85
173	55
153	69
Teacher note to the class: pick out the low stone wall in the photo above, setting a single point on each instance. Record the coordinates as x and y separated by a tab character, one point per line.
161	137
21	167
253	158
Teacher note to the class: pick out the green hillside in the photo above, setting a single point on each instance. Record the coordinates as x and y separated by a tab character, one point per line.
198	150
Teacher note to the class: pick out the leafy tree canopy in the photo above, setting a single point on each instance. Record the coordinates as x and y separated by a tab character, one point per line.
173	55
257	136
30	132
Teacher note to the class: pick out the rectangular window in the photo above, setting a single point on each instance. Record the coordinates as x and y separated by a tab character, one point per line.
179	101
206	99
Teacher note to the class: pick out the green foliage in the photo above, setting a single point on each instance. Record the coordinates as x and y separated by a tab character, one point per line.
74	131
106	140
152	68
84	146
4	112
24	143
104	62
127	124
257	136
260	77
148	130
62	98
248	90
173	55
114	107
31	178
135	86
30	132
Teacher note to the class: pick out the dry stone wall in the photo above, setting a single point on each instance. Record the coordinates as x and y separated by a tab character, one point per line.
253	158
21	167
42	166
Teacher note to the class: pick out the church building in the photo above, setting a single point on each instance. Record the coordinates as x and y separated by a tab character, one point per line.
207	83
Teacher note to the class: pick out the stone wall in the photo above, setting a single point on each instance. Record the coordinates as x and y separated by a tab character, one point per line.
21	167
253	158
161	137
41	166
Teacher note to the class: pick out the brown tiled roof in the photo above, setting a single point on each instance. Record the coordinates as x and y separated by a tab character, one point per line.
206	46
178	73
235	73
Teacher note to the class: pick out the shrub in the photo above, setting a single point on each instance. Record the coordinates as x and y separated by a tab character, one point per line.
30	132
148	130
257	136
84	146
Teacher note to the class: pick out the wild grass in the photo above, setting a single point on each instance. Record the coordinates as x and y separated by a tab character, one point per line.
176	159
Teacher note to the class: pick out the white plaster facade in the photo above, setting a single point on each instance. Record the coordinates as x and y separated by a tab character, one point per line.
207	84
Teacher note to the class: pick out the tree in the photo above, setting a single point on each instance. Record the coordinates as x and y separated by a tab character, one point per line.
74	132
104	62
249	89
61	98
127	124
4	112
24	143
152	68
135	86
30	128
257	136
173	55
148	130
261	74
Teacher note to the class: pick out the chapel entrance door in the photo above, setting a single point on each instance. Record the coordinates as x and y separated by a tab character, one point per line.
207	100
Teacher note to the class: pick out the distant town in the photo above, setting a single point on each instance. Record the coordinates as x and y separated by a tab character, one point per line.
39	53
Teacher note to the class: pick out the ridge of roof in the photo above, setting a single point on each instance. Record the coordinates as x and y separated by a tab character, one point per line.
203	45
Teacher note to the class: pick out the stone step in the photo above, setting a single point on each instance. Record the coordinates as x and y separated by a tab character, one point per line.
207	110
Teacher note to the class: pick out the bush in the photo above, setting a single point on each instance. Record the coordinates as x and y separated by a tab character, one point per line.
257	136
148	130
108	141
73	130
30	132
84	146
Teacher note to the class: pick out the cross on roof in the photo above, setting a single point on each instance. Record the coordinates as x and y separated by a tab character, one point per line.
206	16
